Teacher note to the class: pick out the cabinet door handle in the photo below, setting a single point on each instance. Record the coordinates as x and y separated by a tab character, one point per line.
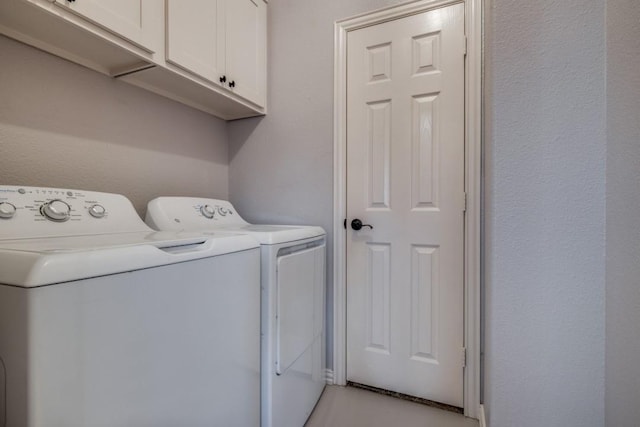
232	83
222	79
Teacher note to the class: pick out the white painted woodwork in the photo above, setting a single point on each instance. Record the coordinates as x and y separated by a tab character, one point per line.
59	31
130	19
188	89
377	297
405	176
473	155
195	37
246	53
221	38
174	49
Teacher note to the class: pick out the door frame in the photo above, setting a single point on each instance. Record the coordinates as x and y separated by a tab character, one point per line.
473	180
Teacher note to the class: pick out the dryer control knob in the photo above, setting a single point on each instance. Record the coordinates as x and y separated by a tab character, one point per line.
223	211
56	210
7	210
97	211
208	211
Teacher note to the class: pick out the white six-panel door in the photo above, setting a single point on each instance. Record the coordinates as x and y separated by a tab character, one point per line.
405	177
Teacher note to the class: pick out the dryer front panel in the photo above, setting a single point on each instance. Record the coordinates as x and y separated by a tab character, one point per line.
300	301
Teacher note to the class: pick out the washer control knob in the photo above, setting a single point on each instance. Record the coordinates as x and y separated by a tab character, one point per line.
97	211
56	210
208	211
223	211
7	210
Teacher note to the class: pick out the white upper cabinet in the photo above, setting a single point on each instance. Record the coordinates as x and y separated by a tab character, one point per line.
195	37
222	41
246	62
208	54
132	20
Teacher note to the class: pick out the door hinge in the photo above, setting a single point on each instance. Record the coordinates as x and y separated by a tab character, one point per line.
464	357
345	223
465	46
464	202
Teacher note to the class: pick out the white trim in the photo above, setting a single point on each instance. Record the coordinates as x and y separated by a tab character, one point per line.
473	163
339	207
392	12
473	185
481	417
328	376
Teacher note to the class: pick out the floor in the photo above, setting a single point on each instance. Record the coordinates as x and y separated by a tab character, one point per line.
353	407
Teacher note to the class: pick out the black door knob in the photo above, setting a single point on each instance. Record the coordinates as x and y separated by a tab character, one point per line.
356	224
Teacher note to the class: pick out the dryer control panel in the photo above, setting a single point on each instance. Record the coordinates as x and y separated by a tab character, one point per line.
46	212
178	213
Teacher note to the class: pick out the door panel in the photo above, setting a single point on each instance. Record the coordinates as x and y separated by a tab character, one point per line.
378	168
405	177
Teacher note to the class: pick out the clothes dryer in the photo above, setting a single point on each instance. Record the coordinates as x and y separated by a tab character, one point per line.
105	322
293	300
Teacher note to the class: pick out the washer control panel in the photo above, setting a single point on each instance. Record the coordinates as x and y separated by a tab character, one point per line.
44	212
56	210
97	211
7	210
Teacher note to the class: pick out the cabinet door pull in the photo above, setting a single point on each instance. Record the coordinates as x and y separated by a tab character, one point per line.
232	83
223	79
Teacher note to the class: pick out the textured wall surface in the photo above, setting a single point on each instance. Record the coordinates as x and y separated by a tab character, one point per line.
623	205
545	213
62	125
281	165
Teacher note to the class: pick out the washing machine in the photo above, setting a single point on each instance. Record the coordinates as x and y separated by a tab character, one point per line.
293	300
106	322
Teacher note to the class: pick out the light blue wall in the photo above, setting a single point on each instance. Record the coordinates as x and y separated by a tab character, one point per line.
623	220
545	213
63	125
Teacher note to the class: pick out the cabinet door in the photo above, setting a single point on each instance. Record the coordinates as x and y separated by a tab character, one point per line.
195	37
130	19
246	48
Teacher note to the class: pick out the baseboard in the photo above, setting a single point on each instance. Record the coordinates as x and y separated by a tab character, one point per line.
481	417
328	376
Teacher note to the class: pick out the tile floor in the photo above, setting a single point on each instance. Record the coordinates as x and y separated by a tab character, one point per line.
353	407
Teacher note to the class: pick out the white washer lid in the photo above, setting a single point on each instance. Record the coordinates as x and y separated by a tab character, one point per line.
45	261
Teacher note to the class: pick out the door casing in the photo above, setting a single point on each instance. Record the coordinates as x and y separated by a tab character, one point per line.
473	176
